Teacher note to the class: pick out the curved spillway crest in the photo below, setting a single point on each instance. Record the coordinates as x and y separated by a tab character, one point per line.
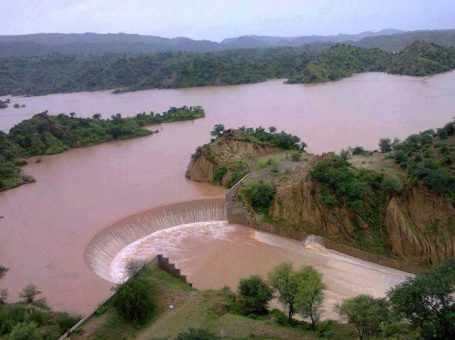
105	246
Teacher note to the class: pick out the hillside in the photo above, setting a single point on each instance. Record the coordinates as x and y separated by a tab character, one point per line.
90	43
399	204
398	42
421	58
315	63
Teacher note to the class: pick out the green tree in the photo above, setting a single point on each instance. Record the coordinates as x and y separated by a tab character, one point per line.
310	295
427	302
134	301
217	130
285	281
385	145
366	313
29	293
256	294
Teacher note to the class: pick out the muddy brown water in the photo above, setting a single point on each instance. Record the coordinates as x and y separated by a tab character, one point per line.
232	252
47	225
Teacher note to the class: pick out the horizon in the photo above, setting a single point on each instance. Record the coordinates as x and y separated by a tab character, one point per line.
398	31
218	20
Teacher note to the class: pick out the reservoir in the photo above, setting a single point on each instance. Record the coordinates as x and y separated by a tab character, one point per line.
47	226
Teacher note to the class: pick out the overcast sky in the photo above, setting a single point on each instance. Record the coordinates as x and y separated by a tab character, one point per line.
218	19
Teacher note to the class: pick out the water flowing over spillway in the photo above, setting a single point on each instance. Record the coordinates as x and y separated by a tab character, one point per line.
106	245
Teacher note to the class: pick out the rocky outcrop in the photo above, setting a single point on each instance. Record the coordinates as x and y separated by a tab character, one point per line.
419	225
228	151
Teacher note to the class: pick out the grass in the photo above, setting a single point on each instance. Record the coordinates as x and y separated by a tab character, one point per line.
193	309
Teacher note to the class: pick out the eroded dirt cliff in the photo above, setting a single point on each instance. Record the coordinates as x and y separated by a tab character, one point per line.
225	157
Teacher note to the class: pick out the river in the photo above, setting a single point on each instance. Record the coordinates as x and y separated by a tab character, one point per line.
47	225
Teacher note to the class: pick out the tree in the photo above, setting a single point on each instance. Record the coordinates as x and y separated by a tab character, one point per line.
97	116
218	130
303	146
385	145
255	293
427	302
366	313
3	271
3	296
310	295
272	129
285	281
29	293
72	114
134	301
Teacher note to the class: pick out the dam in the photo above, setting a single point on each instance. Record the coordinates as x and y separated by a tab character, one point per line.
107	244
213	253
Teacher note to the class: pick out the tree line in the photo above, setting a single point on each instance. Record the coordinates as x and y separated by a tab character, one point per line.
37	75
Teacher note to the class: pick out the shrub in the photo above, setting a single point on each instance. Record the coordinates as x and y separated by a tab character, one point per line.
260	196
66	321
296	156
392	184
236	176
25	331
218	174
134	301
255	293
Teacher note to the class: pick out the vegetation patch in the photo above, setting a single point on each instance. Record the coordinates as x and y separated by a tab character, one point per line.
362	192
45	135
428	157
259	196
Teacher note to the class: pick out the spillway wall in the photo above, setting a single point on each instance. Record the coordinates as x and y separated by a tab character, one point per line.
107	244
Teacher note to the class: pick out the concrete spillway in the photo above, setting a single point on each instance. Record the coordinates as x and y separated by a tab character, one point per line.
102	250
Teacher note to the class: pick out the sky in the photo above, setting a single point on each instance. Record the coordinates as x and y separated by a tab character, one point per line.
218	19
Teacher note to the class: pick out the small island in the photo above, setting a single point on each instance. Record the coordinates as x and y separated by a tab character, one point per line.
46	134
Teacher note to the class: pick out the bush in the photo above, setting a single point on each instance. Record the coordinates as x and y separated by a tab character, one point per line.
66	321
392	184
134	301
218	174
25	331
236	176
255	293
260	196
296	156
